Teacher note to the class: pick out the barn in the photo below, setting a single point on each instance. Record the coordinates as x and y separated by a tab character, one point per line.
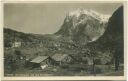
61	59
41	61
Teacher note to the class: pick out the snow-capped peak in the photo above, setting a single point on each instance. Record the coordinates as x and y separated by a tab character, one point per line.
94	14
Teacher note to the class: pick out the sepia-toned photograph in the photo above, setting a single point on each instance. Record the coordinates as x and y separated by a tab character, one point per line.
63	39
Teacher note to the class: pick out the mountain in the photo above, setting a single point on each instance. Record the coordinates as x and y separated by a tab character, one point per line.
113	38
82	26
79	27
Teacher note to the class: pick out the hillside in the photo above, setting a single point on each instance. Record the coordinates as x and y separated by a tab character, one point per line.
113	38
10	36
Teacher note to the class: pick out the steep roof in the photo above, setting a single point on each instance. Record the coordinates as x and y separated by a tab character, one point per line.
39	59
59	57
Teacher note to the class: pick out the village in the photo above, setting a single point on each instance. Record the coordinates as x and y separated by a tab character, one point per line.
24	60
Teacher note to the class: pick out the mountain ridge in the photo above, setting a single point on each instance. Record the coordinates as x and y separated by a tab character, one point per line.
82	23
89	12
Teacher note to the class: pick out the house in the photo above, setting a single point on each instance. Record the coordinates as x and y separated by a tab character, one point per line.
16	44
61	59
41	61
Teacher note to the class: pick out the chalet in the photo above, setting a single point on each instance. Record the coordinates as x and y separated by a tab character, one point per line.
41	61
61	59
16	44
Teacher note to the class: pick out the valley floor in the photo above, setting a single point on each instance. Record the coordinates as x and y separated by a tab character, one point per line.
101	70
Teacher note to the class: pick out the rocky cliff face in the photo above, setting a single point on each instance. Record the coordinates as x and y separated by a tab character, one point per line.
82	26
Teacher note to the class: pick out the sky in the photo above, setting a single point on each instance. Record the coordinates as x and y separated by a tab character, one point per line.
46	18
